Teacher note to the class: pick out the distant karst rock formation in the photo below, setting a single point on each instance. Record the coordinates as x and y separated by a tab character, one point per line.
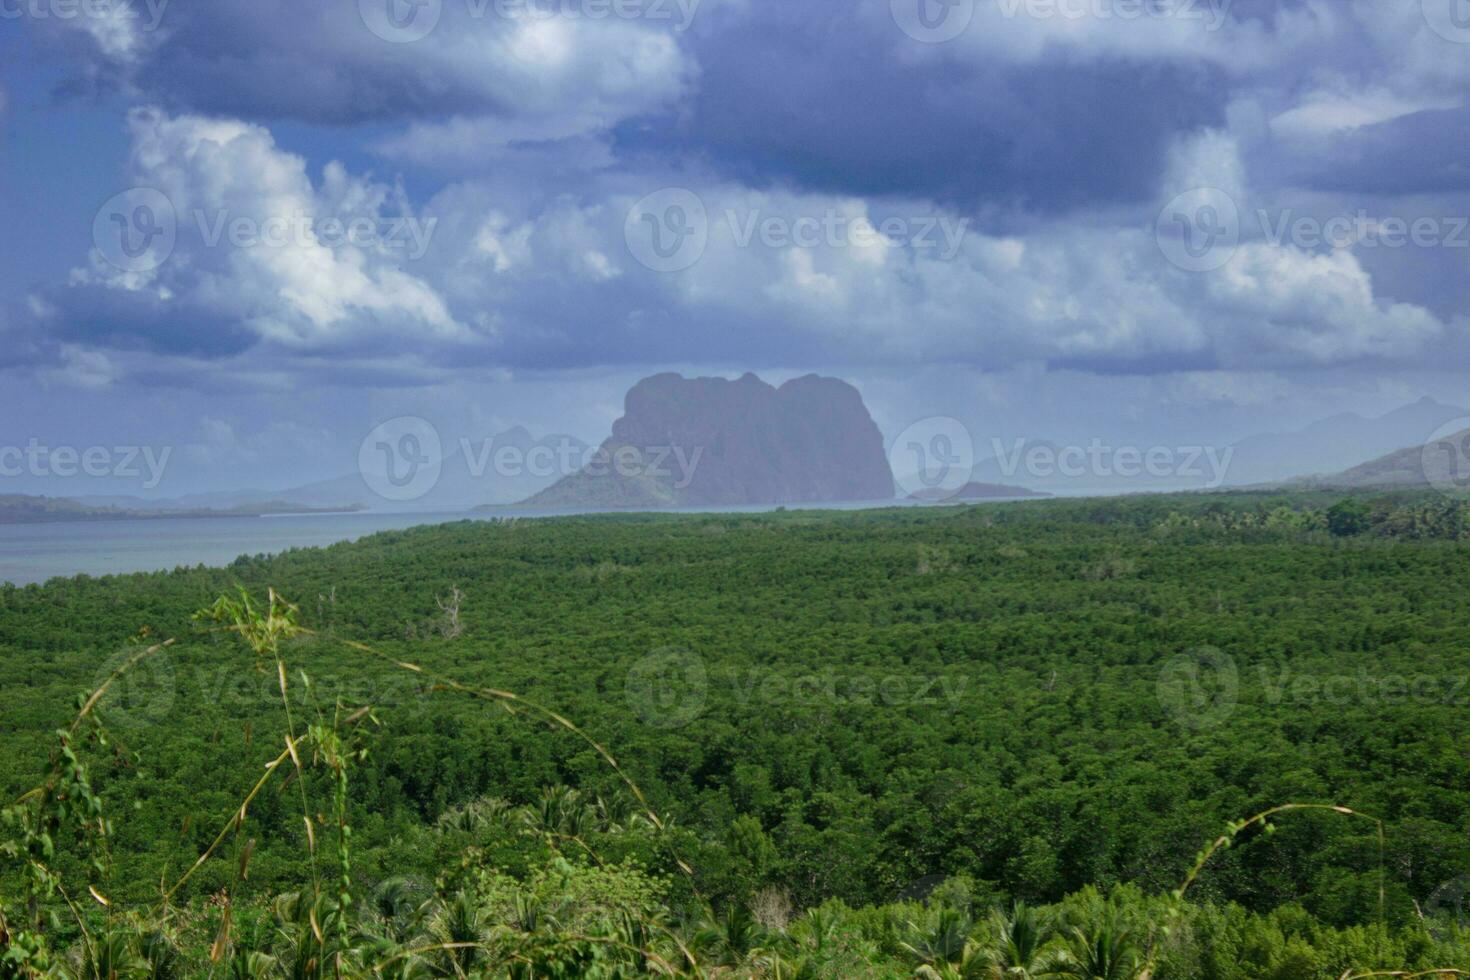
694	442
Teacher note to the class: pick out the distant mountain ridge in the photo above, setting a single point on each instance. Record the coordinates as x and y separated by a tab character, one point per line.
1331	445
28	509
498	469
1441	464
690	442
978	491
472	472
1337	444
720	442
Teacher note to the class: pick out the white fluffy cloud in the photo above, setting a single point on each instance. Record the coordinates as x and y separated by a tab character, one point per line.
1209	31
554	277
82	368
910	281
1333	110
481	75
548	79
258	244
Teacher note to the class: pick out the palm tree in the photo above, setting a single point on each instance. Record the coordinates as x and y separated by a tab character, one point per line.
1106	952
800	968
300	936
395	907
457	924
559	812
733	939
476	816
250	965
817	929
1020	951
249	956
970	965
161	955
944	942
112	954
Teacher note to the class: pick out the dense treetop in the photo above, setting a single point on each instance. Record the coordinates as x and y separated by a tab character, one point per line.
1033	702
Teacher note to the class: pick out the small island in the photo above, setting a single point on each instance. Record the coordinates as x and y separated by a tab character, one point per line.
977	491
25	509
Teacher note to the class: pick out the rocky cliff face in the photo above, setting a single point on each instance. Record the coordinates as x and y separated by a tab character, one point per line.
708	442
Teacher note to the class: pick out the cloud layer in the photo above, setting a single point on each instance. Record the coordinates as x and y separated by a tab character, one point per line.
862	185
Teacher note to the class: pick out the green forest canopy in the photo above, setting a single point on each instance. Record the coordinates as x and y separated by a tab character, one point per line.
1043	702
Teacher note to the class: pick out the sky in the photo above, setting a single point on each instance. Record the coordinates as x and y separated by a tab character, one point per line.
251	232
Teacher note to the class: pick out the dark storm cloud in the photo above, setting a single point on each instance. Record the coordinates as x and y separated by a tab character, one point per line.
127	320
272	60
1421	153
813	95
277	59
825	96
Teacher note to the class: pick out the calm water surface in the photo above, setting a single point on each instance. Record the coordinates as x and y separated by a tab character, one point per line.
37	552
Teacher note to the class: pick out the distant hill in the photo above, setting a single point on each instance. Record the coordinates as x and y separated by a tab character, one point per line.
23	509
695	442
498	469
978	491
1440	464
1328	446
493	469
1336	444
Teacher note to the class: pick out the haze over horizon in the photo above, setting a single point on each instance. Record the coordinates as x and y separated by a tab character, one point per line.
976	217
